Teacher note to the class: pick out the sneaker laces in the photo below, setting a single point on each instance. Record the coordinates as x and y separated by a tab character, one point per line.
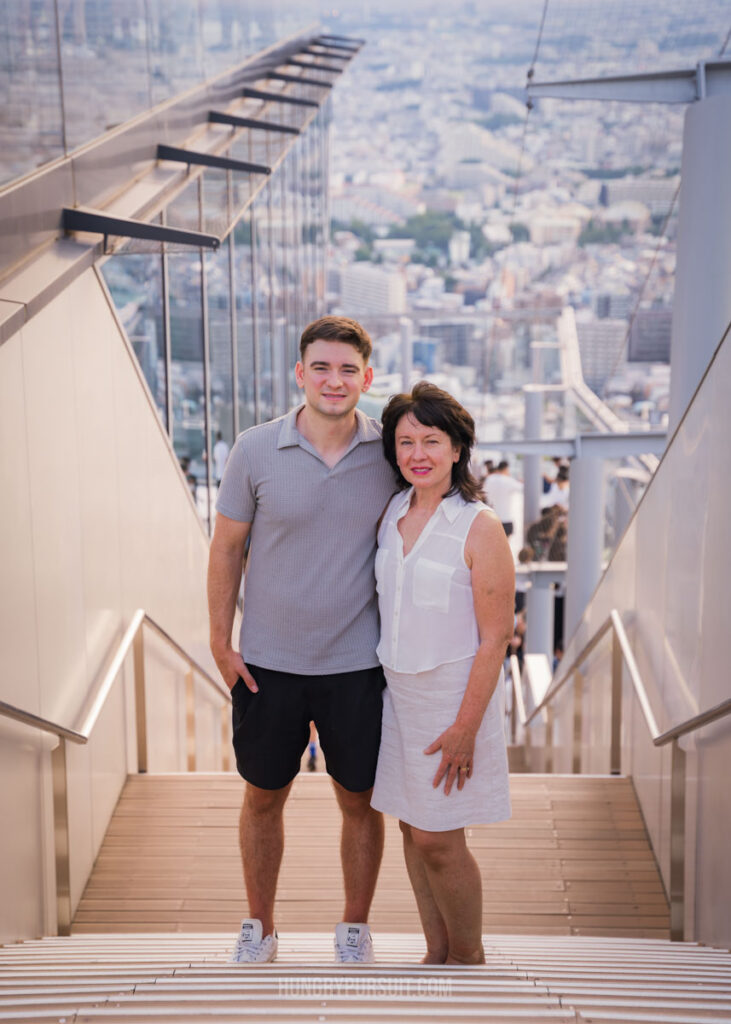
347	953
247	952
350	955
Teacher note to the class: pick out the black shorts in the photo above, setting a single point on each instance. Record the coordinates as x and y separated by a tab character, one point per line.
271	728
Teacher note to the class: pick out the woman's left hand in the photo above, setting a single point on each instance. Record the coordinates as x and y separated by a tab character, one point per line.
457	744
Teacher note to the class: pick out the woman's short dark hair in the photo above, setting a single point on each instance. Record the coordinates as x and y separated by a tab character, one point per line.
433	407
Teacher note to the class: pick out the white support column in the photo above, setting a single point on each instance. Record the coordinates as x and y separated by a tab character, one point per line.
532	480
539	617
702	302
626	495
586	537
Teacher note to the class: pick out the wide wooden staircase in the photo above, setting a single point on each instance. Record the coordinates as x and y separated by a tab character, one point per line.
575	915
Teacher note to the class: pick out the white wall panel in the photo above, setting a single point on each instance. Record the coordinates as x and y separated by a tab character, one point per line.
21	848
108	763
53	462
670	579
18	625
98	522
98	481
81	831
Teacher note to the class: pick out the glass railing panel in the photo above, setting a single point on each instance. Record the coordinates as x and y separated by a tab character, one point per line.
175	47
31	117
103	44
264	298
243	292
135	283
218	288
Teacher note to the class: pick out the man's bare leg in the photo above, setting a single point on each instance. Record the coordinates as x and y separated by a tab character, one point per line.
361	850
261	840
432	922
456	886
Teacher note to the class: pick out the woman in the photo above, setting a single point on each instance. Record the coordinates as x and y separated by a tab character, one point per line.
445	581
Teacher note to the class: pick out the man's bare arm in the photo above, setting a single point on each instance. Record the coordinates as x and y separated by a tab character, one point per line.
225	565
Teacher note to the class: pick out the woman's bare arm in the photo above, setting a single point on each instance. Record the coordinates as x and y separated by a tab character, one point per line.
490	560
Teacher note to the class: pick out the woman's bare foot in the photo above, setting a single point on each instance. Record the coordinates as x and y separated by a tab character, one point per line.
433	958
476	957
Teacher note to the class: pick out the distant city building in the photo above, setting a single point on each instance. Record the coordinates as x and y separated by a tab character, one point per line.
600	344
366	289
455	337
349	208
655	193
649	338
396	250
613	305
425	354
629	212
374	204
547	230
459	247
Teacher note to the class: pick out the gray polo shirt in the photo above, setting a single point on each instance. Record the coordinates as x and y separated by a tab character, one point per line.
310	604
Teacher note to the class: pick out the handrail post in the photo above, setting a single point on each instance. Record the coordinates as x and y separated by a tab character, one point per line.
548	759
677	843
140	707
578	721
190	720
615	750
61	837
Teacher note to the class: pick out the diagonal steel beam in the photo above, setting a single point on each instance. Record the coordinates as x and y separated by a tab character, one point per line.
598	446
83	219
221	117
279	76
277	97
313	67
682	86
342	39
225	163
334	47
325	53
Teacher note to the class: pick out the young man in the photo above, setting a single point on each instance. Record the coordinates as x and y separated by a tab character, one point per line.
306	490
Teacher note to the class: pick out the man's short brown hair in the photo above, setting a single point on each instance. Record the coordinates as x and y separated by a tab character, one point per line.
337	328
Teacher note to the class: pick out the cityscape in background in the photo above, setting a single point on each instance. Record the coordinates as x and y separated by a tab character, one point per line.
453	206
457	225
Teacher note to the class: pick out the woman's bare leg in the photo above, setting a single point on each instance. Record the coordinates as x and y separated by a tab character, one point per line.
432	922
455	886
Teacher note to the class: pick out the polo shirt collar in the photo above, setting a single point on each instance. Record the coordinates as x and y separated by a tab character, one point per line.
289	435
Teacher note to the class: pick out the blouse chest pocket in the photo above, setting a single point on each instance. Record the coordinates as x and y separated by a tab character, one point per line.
432	583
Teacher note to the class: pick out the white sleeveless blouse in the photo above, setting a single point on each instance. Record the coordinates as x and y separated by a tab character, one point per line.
425	598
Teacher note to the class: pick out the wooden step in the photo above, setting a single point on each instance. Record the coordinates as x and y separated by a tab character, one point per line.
573	860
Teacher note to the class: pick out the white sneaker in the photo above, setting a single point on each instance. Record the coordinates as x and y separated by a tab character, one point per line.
353	944
251	948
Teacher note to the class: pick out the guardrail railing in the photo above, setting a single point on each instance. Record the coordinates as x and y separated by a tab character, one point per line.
133	638
622	655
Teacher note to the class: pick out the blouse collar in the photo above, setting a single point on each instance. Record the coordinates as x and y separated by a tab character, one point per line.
450	506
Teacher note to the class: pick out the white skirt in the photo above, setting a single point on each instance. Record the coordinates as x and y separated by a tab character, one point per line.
417	708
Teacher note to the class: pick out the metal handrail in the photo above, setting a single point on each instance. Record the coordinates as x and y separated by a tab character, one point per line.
623	655
518	700
518	713
42	724
133	639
